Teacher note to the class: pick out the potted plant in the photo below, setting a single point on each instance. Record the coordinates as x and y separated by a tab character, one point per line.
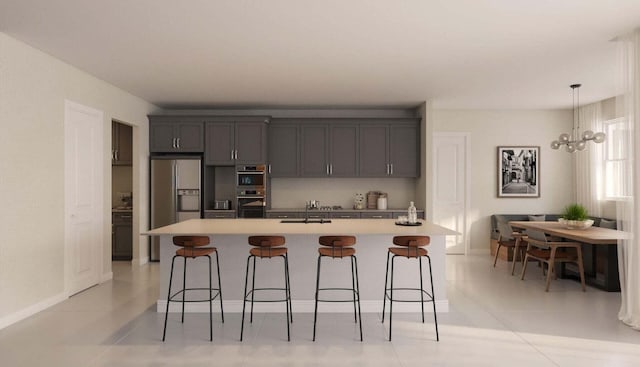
575	216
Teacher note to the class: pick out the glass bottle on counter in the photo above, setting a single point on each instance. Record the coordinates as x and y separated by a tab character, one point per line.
412	213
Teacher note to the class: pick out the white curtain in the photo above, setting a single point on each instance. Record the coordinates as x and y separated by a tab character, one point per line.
589	184
628	212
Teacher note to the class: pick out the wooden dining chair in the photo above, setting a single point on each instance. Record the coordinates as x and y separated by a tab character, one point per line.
510	239
550	252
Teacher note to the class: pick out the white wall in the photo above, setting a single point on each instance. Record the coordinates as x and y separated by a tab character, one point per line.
33	89
492	128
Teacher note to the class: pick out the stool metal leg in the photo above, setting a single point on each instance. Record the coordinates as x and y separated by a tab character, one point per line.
421	288
244	297
386	276
286	264
219	287
433	300
253	288
210	302
353	287
315	312
357	290
166	314
391	297
184	286
286	293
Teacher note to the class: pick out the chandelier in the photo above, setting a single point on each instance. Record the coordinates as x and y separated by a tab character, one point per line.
575	140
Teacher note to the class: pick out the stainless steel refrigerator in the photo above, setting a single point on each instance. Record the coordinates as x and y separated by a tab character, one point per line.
175	193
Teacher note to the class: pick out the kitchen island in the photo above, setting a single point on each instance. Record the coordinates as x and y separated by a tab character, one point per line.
374	236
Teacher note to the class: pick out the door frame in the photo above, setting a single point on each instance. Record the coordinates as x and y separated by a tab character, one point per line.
467	184
98	210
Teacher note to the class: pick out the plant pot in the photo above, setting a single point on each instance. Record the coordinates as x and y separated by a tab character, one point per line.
576	224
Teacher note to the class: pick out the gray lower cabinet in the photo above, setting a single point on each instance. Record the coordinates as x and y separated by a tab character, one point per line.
389	150
283	150
231	143
277	214
122	236
376	215
344	215
219	214
174	134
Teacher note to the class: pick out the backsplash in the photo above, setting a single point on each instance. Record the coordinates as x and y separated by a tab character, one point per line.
295	192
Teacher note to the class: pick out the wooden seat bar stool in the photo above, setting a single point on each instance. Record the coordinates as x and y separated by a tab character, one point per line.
410	247
338	247
191	247
267	247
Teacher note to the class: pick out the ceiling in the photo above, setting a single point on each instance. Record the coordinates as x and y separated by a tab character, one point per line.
342	53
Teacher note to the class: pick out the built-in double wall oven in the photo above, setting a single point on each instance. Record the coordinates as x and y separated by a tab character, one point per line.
251	190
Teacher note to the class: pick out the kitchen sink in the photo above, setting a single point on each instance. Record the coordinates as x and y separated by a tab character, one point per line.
302	220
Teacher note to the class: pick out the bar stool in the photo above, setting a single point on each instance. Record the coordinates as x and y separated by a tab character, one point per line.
338	247
267	247
411	248
191	247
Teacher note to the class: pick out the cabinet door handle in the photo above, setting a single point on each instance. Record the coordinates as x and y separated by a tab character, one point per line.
236	155
376	216
125	217
387	168
391	169
269	169
175	143
331	169
117	155
113	157
327	170
178	143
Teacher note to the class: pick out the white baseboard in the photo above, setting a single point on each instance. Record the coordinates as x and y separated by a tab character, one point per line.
143	260
106	277
31	310
300	306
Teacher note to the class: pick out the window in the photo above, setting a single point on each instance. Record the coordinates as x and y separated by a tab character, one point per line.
616	160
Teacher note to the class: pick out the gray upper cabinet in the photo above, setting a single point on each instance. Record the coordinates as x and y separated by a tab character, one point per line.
373	149
251	142
329	150
220	144
231	143
283	150
314	150
389	150
172	134
404	151
121	144
343	150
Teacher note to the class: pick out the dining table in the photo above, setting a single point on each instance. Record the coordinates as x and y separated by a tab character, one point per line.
600	250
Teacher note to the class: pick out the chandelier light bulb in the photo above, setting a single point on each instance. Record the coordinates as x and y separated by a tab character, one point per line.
599	137
555	145
571	148
563	138
581	145
587	135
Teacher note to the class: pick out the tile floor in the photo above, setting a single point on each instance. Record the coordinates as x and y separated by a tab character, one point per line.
494	320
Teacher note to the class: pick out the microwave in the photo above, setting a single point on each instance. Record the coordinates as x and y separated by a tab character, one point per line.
251	176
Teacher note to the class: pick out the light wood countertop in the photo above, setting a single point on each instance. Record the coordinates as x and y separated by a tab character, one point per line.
249	226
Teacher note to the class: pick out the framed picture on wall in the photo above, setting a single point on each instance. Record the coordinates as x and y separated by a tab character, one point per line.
519	172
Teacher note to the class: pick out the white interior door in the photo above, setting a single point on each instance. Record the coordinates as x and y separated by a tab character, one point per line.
84	189
451	187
